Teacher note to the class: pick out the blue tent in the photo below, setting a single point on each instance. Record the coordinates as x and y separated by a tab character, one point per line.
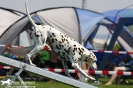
115	15
119	31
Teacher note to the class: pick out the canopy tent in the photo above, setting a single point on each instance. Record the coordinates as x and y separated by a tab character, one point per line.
74	22
114	15
111	15
118	33
126	37
8	17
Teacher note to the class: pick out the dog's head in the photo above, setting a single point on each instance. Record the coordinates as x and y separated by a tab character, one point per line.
91	61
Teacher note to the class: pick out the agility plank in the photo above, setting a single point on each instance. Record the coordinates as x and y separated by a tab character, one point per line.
44	73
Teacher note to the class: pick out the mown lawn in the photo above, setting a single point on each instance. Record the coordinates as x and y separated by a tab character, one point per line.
33	84
114	85
56	84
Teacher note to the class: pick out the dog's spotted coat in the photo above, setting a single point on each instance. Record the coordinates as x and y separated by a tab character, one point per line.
63	46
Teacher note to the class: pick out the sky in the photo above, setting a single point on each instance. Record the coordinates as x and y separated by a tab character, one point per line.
95	5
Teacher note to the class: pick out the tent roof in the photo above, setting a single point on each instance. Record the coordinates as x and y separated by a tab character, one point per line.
57	17
74	22
77	23
86	20
114	15
8	17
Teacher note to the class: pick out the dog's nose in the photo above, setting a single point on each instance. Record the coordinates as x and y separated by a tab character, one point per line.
96	68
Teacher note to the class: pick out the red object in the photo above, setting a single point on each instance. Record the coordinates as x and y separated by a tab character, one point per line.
115	52
120	73
46	48
51	69
100	50
5	67
129	52
62	70
105	72
8	45
20	46
91	71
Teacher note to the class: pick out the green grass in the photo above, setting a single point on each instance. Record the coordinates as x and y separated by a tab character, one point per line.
39	84
56	84
114	85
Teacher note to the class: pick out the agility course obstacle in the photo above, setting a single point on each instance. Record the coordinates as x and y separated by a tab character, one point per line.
39	71
113	52
104	72
5	67
8	45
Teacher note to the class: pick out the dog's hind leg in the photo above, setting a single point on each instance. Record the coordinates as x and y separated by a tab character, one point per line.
64	62
34	51
26	51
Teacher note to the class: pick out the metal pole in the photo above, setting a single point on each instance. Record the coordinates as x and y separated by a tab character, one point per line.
112	42
84	4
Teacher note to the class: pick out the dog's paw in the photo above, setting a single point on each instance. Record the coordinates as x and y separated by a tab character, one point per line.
91	78
32	64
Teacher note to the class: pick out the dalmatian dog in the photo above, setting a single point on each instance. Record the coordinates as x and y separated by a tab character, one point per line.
63	46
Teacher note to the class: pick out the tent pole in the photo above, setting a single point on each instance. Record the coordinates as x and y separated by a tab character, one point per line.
117	31
84	4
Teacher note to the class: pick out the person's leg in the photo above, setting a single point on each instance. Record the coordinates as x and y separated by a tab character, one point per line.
115	75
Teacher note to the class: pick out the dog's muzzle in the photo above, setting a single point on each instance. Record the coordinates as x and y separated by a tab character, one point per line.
94	66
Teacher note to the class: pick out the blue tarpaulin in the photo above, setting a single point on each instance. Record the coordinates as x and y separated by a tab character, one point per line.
87	20
114	15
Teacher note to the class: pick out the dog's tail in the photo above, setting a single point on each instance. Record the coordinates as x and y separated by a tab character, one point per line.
29	17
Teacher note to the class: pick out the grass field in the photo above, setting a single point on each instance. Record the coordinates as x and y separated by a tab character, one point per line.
56	84
114	85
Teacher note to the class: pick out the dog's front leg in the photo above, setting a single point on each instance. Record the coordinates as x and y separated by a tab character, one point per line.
76	66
